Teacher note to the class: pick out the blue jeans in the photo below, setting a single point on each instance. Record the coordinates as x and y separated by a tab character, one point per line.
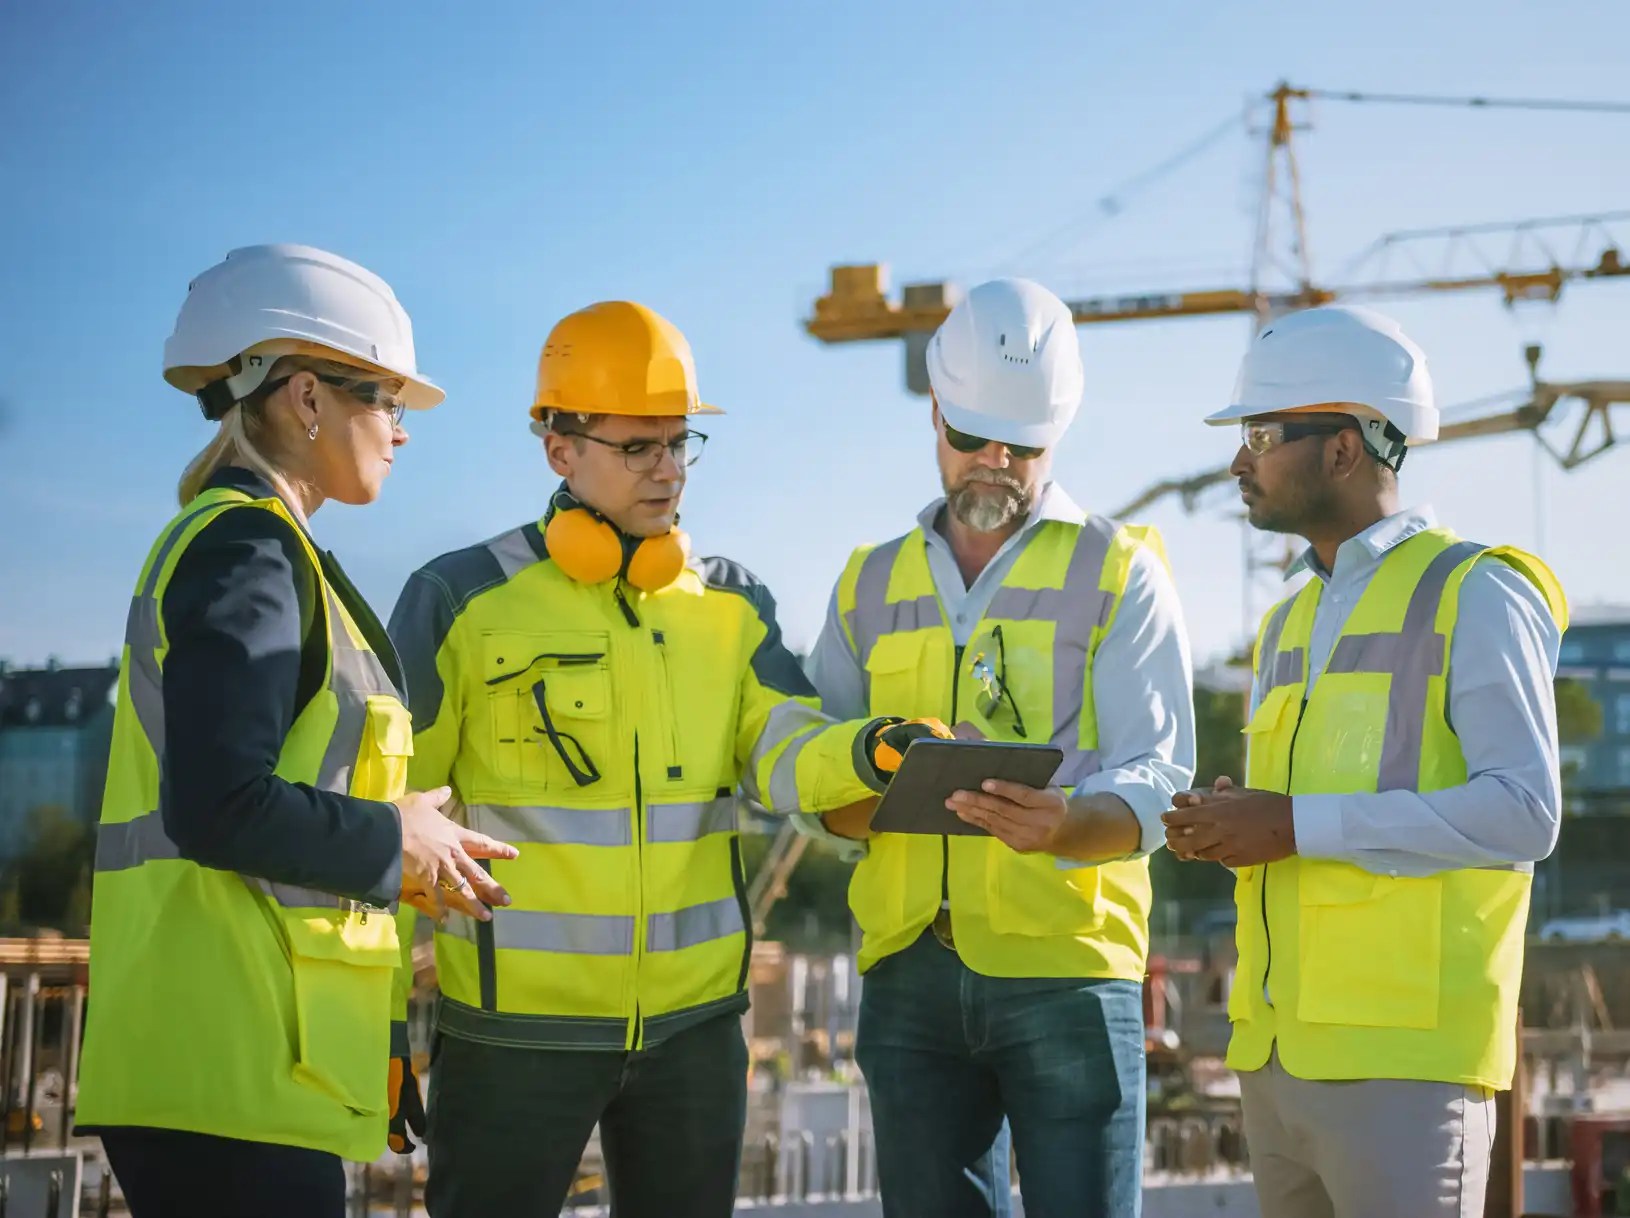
961	1067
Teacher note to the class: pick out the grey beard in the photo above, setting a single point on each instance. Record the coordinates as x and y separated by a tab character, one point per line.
974	504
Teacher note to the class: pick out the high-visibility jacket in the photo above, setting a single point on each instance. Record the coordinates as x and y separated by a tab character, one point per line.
222	1003
604	732
1015	915
1354	974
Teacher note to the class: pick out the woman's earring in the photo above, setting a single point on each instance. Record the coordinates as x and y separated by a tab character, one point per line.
311	432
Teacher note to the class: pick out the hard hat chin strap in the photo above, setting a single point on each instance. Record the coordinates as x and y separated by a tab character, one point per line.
245	374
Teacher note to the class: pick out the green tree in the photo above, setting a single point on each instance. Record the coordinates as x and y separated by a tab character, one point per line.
1578	721
1578	714
1219	723
56	853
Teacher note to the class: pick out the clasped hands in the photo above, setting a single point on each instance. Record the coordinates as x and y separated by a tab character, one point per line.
1231	825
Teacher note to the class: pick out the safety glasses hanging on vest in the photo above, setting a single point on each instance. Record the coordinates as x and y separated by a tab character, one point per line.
965	443
575	758
992	682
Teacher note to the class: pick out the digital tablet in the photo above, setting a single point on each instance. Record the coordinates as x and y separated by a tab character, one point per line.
933	770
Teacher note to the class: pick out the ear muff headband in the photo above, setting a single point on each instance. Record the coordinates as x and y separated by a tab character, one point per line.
591	550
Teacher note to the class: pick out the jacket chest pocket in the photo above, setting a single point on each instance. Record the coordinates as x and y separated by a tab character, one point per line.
549	707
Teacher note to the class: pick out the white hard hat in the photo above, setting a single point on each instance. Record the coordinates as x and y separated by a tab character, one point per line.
278	299
1333	356
1006	364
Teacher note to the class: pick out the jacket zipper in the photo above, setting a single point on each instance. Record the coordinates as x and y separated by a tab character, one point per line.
636	1030
1267	932
665	690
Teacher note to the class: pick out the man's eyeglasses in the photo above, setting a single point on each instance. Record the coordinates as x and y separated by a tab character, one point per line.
375	394
965	443
642	456
991	679
1260	437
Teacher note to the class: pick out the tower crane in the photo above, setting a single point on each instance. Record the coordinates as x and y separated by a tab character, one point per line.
1525	260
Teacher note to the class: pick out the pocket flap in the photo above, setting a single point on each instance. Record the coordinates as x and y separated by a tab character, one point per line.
511	657
577	691
350	940
391	726
1273	708
1327	883
896	653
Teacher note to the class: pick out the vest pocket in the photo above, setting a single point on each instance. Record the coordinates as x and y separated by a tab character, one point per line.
387	743
1029	894
893	671
549	707
343	972
1370	947
1268	748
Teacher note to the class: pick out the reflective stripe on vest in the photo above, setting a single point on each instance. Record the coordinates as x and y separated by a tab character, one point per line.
787	720
534	930
554	826
1076	609
356	676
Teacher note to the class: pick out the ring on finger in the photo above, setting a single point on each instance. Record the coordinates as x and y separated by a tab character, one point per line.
452	887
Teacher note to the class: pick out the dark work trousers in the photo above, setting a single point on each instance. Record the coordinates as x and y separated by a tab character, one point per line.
507	1126
166	1173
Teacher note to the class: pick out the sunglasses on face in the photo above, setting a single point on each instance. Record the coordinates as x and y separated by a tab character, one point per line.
965	443
1265	436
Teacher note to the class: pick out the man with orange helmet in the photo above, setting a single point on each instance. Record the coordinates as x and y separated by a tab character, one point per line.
595	697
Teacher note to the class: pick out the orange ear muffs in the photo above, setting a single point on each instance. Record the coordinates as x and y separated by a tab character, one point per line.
590	549
657	561
584	546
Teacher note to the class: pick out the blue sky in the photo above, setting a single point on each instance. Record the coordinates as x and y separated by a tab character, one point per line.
502	165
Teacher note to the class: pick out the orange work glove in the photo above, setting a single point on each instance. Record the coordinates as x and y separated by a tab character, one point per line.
887	745
407	1109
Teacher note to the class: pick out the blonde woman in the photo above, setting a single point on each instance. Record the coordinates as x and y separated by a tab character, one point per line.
255	830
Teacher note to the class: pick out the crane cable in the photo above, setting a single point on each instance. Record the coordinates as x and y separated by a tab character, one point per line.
1109	204
1478	103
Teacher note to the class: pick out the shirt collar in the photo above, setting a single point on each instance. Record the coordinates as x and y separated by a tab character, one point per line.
1368	548
1054	503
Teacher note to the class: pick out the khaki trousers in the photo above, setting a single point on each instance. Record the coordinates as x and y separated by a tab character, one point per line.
1376	1148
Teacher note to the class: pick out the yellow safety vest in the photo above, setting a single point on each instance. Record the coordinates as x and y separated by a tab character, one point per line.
222	1003
604	732
1376	976
1015	915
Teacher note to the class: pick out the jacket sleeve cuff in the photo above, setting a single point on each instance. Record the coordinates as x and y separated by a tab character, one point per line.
387	889
1316	820
811	825
864	769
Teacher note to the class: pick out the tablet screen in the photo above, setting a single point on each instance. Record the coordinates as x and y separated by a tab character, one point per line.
934	770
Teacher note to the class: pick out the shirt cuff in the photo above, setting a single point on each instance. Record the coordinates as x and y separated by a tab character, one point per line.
1147	803
1316	821
811	825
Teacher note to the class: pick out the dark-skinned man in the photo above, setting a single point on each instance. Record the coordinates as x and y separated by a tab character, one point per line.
594	697
1001	1006
1401	782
